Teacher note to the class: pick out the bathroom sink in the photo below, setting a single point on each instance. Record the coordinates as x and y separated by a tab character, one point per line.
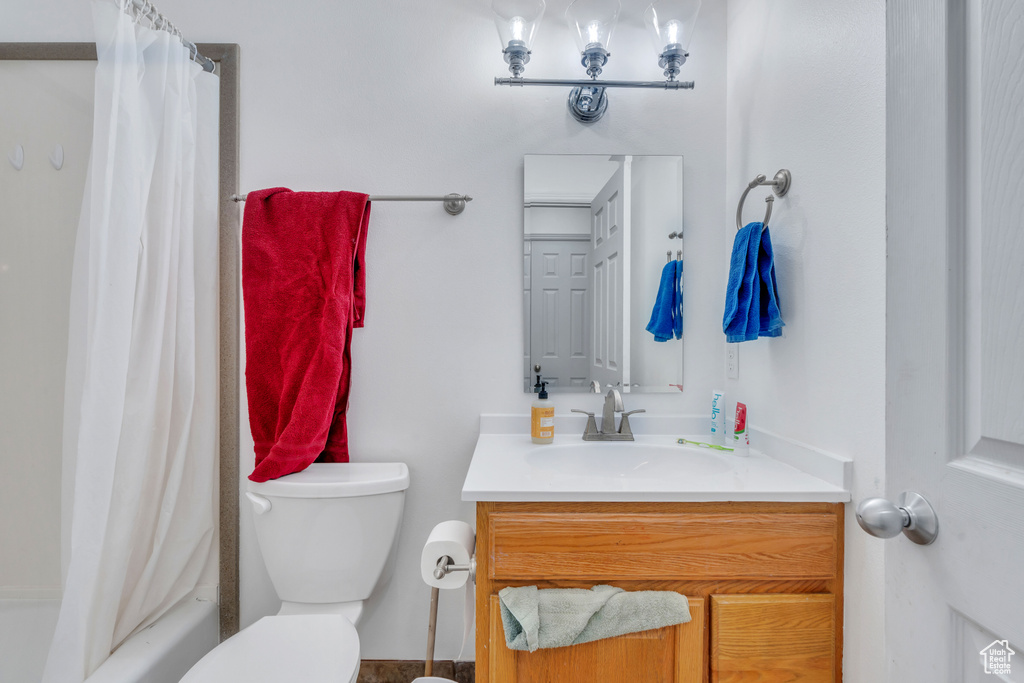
507	466
625	460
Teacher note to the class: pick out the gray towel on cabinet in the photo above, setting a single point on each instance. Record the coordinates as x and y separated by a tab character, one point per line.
557	617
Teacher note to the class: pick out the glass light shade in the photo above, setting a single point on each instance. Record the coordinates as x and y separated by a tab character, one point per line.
671	23
592	22
517	21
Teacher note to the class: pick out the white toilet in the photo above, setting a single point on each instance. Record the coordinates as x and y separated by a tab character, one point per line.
327	535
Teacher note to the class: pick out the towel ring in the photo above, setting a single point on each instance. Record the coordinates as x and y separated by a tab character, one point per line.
780	186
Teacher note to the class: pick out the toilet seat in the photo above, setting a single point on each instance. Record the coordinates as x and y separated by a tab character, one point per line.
312	648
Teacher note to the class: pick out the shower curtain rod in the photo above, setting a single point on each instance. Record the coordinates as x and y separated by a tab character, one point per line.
160	22
453	203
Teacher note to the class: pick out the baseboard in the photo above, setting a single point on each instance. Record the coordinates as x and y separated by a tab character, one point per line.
403	671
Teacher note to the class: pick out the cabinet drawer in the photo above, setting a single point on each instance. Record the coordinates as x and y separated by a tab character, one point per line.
602	546
674	654
773	638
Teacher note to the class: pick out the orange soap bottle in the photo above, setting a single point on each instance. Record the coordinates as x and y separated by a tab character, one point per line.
542	417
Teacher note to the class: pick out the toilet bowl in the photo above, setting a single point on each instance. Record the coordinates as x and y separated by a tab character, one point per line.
327	535
317	647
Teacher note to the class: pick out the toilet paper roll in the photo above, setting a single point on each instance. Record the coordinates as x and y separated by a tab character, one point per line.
454	539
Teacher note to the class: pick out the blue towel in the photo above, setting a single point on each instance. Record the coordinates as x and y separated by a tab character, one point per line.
677	305
667	315
752	295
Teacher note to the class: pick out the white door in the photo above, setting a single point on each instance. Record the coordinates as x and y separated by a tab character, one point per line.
558	310
609	217
955	335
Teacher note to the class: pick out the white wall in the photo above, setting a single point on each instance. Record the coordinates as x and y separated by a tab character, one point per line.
806	91
332	97
566	178
547	220
43	104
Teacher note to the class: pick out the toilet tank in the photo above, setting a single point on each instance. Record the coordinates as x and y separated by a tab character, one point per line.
327	533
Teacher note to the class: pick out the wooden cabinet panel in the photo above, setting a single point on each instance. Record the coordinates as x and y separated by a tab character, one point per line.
773	638
675	654
603	546
774	570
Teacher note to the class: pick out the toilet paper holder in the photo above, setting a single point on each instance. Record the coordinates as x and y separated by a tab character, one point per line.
446	565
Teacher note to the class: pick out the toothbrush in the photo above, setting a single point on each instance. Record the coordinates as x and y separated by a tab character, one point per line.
704	445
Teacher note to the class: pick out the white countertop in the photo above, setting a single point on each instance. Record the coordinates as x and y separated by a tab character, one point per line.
508	466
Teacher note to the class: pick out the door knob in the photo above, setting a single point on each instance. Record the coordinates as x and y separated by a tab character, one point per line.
912	514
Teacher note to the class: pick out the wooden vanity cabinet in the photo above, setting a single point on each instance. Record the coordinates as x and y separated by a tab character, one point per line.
764	582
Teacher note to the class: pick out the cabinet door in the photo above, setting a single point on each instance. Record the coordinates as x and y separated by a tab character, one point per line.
675	654
773	638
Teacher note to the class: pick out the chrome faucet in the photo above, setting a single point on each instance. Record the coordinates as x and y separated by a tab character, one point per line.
612	405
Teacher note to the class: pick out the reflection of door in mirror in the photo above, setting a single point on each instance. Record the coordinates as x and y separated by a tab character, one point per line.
558	289
610	240
559	307
595	235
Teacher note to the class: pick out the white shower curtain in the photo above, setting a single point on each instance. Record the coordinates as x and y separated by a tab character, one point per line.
140	416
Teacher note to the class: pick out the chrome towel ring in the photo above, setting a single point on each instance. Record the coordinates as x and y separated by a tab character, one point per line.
780	186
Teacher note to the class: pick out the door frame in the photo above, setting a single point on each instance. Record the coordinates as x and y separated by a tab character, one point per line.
225	56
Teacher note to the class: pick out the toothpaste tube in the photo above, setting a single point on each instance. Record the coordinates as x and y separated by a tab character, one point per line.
740	437
718	418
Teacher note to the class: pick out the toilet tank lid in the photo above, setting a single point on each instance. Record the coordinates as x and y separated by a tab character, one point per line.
337	480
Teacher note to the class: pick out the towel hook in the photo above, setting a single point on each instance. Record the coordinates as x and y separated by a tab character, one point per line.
780	186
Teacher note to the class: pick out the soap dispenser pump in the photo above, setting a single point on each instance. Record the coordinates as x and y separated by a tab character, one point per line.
542	417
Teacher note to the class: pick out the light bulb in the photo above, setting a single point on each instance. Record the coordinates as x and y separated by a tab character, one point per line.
517	25
673	32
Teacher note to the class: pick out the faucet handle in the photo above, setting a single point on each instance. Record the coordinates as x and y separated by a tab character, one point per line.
591	428
624	427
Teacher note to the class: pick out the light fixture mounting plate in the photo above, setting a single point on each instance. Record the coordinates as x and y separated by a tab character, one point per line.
587	104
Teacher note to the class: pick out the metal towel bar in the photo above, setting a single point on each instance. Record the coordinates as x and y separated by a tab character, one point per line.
780	186
453	203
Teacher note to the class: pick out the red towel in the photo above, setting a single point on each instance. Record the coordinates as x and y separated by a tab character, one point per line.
304	288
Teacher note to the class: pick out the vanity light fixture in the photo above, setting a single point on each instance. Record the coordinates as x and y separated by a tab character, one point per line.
670	23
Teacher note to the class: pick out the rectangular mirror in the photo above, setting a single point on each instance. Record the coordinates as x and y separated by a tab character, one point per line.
595	242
